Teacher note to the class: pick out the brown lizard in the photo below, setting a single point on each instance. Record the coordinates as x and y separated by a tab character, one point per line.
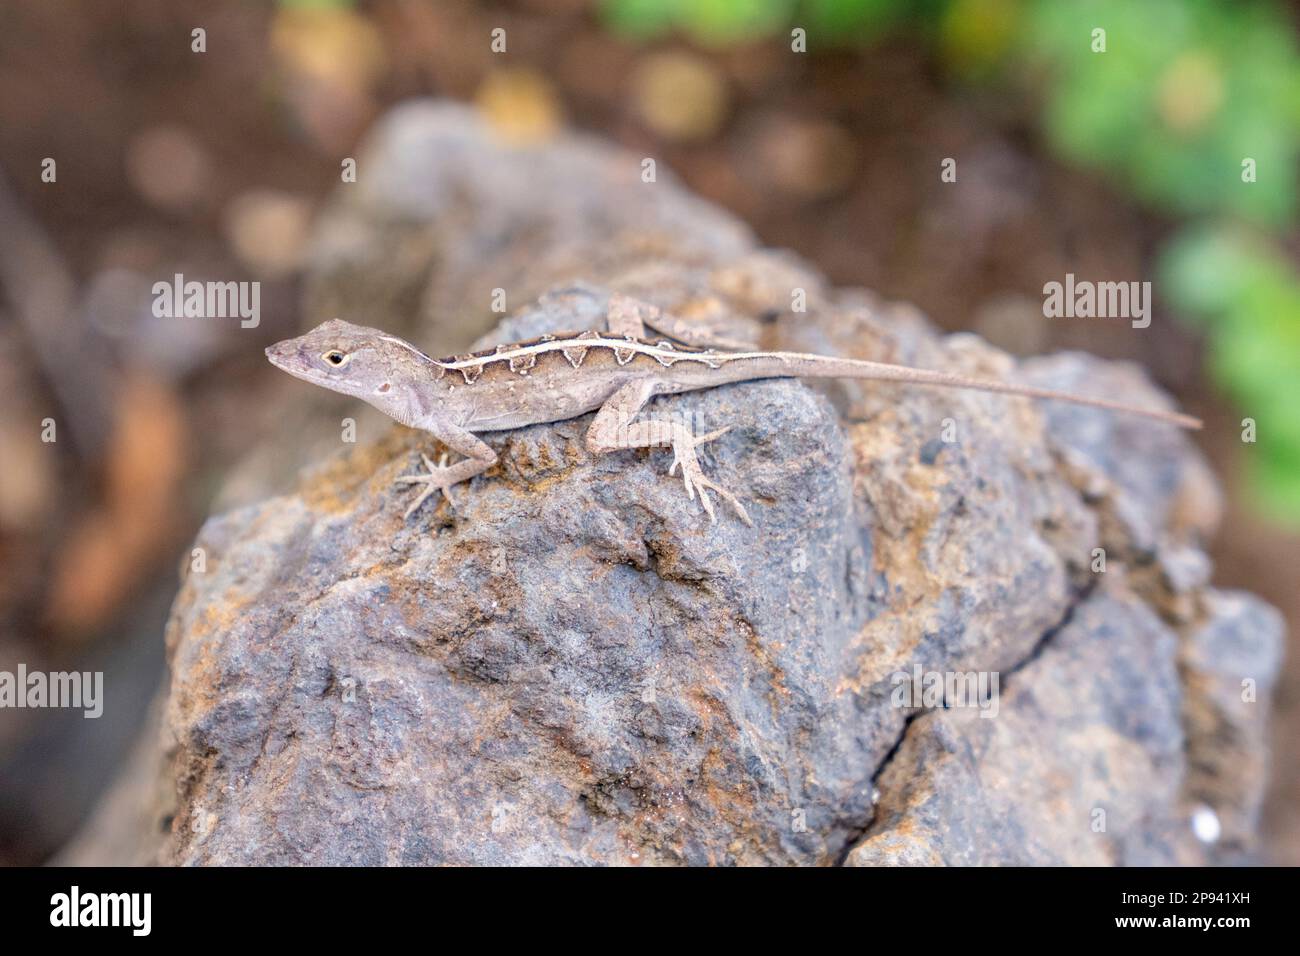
558	377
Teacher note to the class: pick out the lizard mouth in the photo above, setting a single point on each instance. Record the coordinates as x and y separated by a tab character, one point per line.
275	354
284	356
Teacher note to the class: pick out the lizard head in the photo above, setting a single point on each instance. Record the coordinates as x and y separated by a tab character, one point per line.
365	363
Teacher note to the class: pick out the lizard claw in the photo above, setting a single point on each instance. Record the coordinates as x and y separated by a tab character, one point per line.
681	453
694	480
704	485
717	433
433	481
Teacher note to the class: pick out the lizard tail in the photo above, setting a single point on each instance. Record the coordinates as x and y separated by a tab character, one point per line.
798	365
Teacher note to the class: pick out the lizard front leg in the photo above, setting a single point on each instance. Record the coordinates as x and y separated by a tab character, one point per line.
479	457
614	429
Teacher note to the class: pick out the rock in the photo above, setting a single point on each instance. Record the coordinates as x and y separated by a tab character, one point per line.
1228	665
581	668
1081	763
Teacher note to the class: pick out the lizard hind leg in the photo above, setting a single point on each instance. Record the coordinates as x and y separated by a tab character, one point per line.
614	429
693	476
629	316
624	316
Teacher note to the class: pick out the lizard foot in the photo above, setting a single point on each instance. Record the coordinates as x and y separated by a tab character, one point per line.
693	476
434	481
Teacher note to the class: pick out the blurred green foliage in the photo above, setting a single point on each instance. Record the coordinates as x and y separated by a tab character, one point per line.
726	22
1193	106
1185	91
709	22
1247	300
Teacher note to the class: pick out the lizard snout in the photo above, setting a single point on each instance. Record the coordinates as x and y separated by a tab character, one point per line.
277	353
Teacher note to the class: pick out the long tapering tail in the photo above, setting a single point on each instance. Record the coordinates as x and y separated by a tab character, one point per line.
799	365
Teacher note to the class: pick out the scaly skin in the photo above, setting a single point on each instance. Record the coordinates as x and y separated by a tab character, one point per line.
558	377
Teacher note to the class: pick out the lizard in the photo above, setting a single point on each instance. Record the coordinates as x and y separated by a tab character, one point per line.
557	377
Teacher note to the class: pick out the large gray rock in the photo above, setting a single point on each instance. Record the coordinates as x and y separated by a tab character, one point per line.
581	668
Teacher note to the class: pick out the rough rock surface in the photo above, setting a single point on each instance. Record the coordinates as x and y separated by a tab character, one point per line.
581	668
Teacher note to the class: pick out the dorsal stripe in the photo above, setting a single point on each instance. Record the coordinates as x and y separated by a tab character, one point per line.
625	349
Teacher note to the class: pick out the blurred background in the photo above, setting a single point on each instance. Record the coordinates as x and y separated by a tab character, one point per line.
1130	164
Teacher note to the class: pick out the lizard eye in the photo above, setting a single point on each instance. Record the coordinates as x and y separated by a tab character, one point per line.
336	358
